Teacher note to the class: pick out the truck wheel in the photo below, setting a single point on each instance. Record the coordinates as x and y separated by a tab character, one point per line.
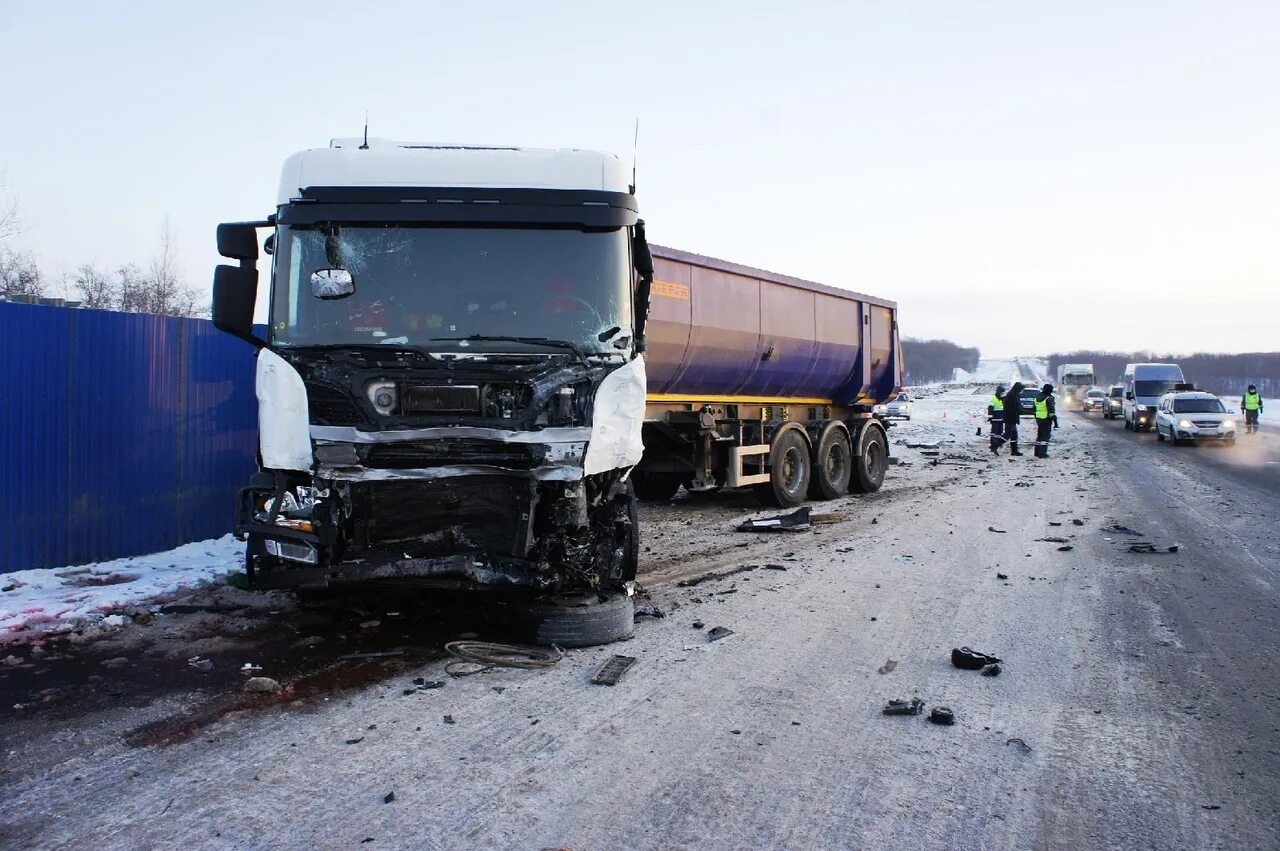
832	464
575	620
655	487
789	472
869	467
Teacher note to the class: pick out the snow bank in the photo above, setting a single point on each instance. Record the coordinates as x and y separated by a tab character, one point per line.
36	603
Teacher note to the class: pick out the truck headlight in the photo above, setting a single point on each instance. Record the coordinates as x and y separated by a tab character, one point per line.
383	396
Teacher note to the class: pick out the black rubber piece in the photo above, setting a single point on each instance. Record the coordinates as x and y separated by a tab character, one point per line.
904	707
575	620
942	715
612	670
971	660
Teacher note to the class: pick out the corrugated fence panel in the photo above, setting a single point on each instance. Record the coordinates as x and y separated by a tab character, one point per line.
121	433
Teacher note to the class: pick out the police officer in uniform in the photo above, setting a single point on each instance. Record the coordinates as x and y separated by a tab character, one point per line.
1251	404
1046	420
1012	413
995	416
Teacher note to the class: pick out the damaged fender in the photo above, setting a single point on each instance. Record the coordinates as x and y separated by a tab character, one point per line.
284	429
616	420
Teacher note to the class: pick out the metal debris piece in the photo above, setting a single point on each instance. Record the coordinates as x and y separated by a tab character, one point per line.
649	610
904	707
942	715
718	632
887	667
612	670
796	521
818	519
1021	745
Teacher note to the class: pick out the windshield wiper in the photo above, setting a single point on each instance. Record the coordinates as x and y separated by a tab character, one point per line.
537	341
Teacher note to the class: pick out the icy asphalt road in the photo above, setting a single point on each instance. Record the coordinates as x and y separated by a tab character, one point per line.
1143	687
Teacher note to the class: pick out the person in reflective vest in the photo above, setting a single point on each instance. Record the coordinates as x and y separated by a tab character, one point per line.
995	416
1012	413
1046	420
1251	404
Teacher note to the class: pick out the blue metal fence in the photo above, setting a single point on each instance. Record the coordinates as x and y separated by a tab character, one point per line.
120	433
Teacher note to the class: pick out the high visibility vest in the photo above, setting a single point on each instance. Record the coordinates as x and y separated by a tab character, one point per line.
997	404
1252	401
1042	408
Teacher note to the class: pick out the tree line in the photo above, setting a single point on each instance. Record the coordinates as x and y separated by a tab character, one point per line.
157	287
928	361
1225	374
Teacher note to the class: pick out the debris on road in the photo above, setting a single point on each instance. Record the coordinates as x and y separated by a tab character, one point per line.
887	667
942	715
922	444
776	567
262	685
796	521
1077	522
200	664
708	577
904	707
650	611
380	654
505	655
1021	745
1120	530
389	797
1146	548
971	660
698	624
1052	540
997	531
992	670
249	668
1002	576
1066	548
718	632
612	670
448	719
357	740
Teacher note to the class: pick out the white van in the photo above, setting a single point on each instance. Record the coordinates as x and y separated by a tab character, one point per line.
1144	384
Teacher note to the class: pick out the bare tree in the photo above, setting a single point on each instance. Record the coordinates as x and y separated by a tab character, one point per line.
95	287
19	274
165	291
10	221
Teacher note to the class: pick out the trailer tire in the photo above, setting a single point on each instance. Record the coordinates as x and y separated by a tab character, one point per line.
832	463
869	466
656	487
789	471
575	620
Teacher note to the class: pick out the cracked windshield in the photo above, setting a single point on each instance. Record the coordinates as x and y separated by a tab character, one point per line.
414	285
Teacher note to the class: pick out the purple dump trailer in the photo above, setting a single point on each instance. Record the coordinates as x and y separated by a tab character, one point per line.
759	379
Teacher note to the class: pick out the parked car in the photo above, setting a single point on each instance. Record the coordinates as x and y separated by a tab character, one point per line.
1114	406
1094	400
897	408
1027	400
1194	416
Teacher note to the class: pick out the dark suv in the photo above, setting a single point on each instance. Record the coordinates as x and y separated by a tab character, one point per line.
1027	400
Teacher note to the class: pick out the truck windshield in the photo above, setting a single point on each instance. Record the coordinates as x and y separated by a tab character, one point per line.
418	285
1152	388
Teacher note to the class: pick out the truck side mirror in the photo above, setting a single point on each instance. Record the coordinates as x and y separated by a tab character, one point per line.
235	289
643	259
1128	396
238	240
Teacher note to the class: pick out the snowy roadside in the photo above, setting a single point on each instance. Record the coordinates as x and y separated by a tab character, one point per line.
35	604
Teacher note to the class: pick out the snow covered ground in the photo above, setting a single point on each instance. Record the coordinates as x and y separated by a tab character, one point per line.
37	603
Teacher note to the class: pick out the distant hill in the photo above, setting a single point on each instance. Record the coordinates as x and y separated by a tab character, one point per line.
928	361
1226	375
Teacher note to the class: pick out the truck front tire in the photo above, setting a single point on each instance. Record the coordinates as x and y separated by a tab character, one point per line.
655	487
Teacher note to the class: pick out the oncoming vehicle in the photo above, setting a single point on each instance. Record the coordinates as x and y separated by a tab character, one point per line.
1027	400
1094	400
1144	384
1192	416
1114	406
1074	380
898	408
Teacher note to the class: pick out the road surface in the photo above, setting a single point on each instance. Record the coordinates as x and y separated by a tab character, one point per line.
1139	704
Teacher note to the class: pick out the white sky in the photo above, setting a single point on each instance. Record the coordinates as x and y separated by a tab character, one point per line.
1020	176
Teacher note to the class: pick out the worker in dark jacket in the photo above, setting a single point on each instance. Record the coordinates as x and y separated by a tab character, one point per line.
1012	413
1046	420
995	416
1251	404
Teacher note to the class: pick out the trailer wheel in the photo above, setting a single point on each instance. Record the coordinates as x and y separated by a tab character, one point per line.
575	620
655	487
870	466
832	464
789	472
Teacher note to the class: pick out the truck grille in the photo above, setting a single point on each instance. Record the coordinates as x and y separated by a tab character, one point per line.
449	398
441	453
331	406
440	518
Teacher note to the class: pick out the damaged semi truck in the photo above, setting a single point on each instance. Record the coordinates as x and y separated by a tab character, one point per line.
452	386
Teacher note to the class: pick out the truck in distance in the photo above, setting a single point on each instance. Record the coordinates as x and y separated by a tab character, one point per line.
1074	381
462	381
